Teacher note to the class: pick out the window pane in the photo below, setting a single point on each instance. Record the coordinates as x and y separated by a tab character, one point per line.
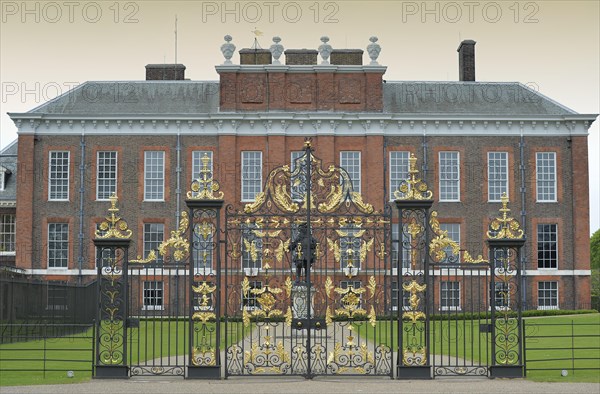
154	176
547	295
58	180
449	176
398	170
450	295
7	233
497	175
58	245
453	230
251	175
153	237
547	246
545	167
106	180
350	161
153	295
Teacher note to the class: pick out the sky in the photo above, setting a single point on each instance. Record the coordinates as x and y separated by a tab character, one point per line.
48	47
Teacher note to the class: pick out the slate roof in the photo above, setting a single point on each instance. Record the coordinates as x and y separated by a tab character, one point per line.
399	97
8	160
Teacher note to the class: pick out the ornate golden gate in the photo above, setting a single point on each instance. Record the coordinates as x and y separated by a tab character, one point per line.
367	305
334	318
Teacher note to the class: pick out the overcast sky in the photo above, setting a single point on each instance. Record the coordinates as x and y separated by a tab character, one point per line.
48	47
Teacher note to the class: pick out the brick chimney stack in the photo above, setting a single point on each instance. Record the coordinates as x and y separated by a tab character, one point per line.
466	60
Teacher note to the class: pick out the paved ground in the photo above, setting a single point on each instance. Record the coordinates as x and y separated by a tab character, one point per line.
319	385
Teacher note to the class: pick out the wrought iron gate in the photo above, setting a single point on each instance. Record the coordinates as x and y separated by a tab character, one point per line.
334	319
366	295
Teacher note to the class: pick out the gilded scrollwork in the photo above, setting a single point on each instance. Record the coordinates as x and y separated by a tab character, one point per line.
205	187
113	226
413	188
505	226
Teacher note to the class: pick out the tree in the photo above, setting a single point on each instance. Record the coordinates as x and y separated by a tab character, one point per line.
595	265
595	250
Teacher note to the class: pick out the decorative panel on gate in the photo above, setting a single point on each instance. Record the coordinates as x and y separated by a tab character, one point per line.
307	273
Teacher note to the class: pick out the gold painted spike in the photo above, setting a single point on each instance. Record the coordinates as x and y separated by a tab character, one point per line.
335	248
372	286
505	226
373	317
281	249
328	318
364	249
245	286
328	286
205	186
113	226
413	188
139	260
288	286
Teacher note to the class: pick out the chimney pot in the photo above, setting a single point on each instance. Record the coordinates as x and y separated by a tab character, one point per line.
466	60
165	72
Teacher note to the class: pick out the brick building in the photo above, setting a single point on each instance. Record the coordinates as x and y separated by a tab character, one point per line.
8	205
144	140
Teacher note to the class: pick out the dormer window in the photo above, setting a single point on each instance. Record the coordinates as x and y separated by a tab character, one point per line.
4	172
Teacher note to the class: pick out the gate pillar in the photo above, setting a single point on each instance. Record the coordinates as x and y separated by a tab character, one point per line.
112	240
505	240
204	203
413	201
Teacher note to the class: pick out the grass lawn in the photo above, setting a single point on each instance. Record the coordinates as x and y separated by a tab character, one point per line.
23	362
548	348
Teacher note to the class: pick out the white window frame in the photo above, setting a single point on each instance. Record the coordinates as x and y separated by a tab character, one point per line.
55	181
442	290
154	293
197	156
353	169
445	178
8	234
154	182
497	167
539	242
2	176
540	192
399	166
65	248
556	298
248	195
107	180
148	231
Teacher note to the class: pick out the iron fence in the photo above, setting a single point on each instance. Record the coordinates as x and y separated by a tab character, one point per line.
561	346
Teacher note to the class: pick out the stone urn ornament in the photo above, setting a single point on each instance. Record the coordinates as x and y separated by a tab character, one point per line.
325	50
373	49
276	50
227	49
